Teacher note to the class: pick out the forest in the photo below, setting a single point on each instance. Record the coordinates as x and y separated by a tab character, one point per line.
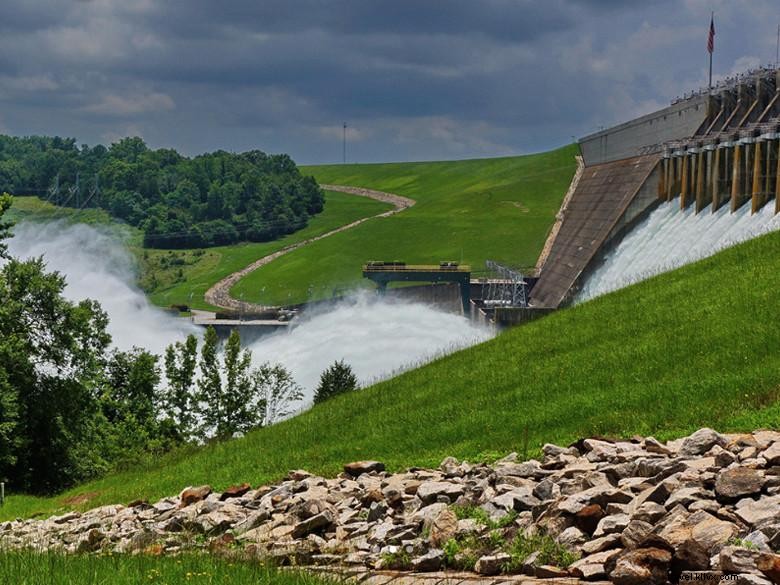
213	199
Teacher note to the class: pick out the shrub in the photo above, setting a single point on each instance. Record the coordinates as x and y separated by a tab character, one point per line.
337	379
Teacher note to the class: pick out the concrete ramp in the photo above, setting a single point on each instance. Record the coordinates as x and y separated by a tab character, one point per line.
608	197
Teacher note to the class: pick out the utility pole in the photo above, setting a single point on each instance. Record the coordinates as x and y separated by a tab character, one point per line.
344	144
777	50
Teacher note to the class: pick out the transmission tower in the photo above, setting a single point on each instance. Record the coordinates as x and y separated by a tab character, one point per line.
94	193
54	190
507	287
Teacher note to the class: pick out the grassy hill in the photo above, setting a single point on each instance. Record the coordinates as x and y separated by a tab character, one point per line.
697	346
469	211
183	276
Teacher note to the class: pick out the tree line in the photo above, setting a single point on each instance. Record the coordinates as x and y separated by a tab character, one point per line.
213	199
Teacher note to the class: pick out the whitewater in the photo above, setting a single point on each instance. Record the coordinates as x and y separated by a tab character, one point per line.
669	238
375	337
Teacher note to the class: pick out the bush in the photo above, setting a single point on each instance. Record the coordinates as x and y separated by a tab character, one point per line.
337	379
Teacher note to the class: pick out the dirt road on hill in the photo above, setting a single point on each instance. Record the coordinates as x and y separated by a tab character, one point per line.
219	294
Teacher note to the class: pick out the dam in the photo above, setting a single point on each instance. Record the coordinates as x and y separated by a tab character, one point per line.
715	151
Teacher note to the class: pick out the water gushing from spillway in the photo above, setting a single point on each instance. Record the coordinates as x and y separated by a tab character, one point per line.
376	338
669	238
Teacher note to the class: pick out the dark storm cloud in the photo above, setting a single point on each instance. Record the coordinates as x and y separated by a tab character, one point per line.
413	78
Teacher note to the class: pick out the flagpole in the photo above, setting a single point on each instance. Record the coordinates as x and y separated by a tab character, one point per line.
712	19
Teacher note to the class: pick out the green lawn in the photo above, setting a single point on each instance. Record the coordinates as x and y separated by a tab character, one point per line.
693	347
28	568
199	273
469	211
183	276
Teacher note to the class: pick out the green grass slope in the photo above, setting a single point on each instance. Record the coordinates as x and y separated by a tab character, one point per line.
469	211
183	276
694	347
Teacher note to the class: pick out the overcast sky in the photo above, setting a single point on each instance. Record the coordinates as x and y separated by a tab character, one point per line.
413	79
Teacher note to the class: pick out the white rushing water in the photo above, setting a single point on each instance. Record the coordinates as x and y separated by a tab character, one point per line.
669	238
375	337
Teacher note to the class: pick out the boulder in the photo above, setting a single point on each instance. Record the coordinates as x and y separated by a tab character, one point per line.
315	523
190	495
748	579
611	525
758	512
443	527
772	454
358	468
491	564
700	442
430	491
430	561
235	491
588	518
738	482
735	559
591	567
643	566
634	533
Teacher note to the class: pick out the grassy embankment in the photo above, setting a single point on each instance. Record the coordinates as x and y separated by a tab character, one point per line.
694	347
52	569
469	211
183	276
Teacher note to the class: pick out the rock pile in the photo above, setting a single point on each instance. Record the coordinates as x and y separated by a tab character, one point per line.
633	512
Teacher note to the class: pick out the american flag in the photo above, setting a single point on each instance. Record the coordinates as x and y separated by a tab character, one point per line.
711	37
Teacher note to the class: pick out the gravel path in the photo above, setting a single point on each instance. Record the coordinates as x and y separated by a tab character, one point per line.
219	294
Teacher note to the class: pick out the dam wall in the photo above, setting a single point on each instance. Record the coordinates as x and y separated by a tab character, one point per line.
719	146
644	134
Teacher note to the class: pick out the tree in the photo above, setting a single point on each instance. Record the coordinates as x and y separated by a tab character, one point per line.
336	379
51	354
179	404
238	390
210	396
275	392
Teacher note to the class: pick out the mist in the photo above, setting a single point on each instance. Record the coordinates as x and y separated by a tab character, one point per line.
376	338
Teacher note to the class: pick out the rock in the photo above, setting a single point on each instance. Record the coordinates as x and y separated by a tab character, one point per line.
643	566
738	482
376	511
588	518
191	495
313	524
430	491
443	527
772	454
572	537
601	495
653	446
591	567
755	513
691	556
734	559
430	561
491	564
649	512
700	576
235	491
358	468
450	467
769	565
700	442
611	524
634	533
596	545
703	528
519	499
550	572
91	541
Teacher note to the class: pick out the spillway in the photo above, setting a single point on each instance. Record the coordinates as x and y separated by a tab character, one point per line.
669	238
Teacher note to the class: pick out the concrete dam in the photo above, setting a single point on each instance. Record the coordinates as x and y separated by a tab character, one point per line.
714	153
